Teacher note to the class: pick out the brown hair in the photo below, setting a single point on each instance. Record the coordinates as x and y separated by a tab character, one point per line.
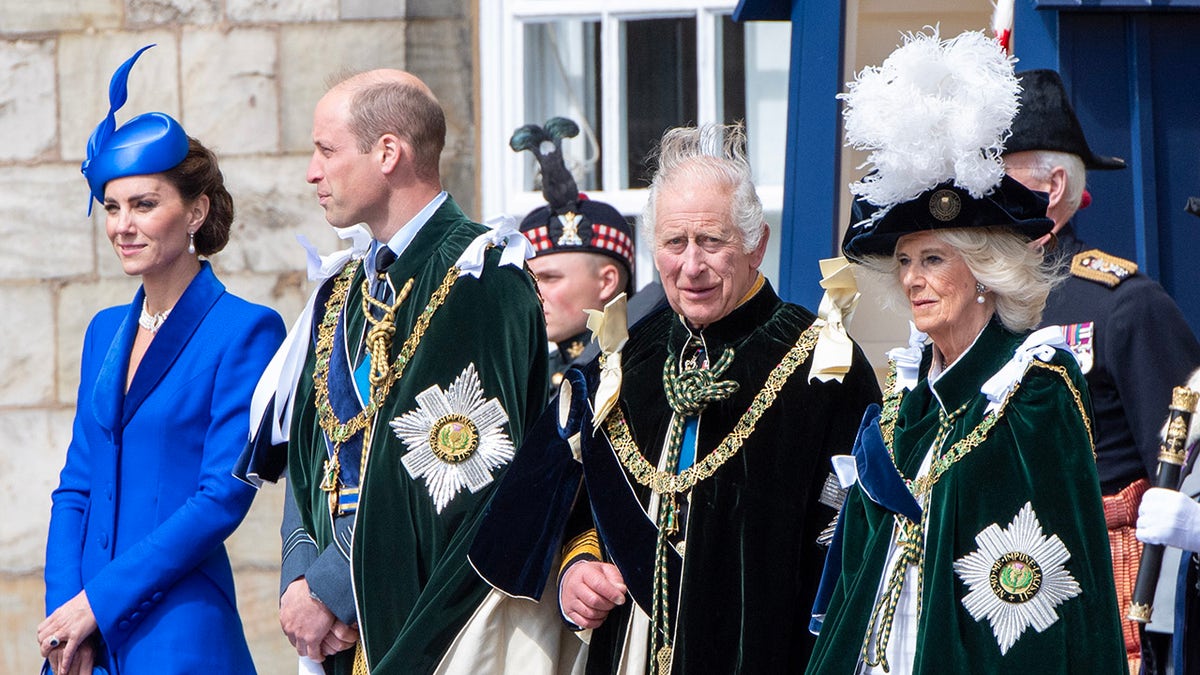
198	174
391	107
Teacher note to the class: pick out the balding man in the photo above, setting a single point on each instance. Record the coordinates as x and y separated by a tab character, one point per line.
417	364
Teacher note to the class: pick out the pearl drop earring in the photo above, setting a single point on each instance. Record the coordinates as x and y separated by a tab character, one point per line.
980	289
192	244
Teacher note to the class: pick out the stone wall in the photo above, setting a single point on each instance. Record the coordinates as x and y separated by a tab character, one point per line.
241	75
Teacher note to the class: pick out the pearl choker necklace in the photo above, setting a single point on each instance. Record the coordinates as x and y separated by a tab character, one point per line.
151	322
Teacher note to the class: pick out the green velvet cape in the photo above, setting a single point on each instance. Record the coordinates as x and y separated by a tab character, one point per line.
1040	452
413	585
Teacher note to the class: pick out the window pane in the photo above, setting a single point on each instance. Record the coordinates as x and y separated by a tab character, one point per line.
562	79
659	87
731	71
752	74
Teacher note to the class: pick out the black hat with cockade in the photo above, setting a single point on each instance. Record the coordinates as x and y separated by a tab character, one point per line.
1009	205
569	221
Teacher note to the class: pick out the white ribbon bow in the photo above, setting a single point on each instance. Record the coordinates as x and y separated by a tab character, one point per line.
502	231
834	351
610	328
281	375
908	359
322	267
1040	345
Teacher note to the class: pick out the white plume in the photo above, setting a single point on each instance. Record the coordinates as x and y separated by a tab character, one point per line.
936	110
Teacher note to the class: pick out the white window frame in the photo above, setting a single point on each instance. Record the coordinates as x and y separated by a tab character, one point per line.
502	93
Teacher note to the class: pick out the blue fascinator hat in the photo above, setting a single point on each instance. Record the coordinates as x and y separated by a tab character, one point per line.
148	143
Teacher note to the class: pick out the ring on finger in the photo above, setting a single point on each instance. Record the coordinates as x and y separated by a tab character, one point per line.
54	642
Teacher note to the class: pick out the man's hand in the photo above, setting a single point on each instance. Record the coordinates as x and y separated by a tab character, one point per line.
339	638
590	590
1169	518
305	620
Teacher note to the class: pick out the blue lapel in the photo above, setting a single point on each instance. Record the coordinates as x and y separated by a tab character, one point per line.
172	337
108	395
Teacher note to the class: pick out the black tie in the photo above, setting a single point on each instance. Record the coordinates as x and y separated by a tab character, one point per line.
382	291
384	259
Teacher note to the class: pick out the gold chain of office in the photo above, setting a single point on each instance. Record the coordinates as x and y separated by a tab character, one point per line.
336	430
942	463
669	482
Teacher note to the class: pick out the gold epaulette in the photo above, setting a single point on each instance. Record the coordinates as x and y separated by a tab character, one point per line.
585	545
1104	268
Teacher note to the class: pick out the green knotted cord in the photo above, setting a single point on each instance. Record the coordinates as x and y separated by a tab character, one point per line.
689	391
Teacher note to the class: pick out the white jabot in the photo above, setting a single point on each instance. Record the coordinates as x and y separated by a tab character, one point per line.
279	380
1040	345
502	231
610	328
908	359
834	351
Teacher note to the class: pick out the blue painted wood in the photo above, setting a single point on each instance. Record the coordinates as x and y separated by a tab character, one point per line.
1119	5
1141	137
811	171
1035	36
1132	70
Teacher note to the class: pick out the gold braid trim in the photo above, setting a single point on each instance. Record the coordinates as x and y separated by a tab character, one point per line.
911	536
666	482
584	544
964	446
338	431
891	406
1066	378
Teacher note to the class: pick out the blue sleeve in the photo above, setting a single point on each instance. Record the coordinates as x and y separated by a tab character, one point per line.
182	541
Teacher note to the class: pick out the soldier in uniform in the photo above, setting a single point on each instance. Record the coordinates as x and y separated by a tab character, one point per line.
584	251
1130	337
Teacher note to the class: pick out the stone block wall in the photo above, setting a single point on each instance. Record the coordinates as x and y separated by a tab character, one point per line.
242	76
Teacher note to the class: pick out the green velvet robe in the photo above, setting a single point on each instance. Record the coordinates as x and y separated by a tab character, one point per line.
1040	452
752	561
413	585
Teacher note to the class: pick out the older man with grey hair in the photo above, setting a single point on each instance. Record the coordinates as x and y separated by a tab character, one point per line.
684	468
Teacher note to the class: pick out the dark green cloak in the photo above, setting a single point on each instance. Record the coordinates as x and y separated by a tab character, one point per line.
752	563
1040	452
413	585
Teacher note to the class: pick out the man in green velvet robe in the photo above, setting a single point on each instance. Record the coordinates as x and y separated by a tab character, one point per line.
685	468
410	388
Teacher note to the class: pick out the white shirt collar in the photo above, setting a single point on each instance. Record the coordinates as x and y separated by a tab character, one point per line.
400	241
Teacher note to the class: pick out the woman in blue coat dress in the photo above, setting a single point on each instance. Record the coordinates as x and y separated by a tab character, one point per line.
137	577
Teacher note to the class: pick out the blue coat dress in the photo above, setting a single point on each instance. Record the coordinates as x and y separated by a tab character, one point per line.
146	498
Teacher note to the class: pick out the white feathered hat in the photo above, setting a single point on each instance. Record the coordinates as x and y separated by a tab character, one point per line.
934	117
